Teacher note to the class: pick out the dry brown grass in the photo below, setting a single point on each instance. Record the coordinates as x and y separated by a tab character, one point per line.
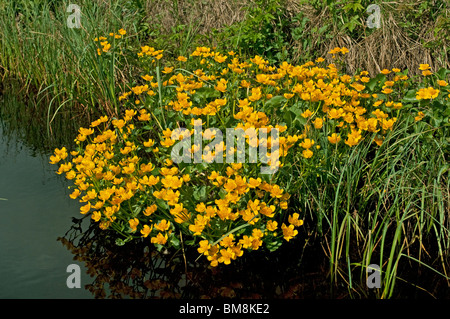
206	15
388	47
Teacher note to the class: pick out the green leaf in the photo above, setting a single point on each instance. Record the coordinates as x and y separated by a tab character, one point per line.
371	84
410	96
442	73
174	241
273	245
288	117
162	203
120	242
300	122
296	109
276	101
205	93
380	78
200	194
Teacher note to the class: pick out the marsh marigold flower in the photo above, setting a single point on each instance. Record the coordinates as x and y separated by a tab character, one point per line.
133	223
288	231
159	239
334	138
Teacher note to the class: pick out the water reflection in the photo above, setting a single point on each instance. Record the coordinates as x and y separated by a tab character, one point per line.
36	210
137	270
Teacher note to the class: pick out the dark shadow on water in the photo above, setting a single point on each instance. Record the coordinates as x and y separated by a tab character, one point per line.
297	270
138	270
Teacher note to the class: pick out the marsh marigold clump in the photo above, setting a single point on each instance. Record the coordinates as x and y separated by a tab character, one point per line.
125	176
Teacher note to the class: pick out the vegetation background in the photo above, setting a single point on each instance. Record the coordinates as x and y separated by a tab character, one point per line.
56	71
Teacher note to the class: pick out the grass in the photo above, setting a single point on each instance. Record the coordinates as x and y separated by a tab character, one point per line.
385	206
57	64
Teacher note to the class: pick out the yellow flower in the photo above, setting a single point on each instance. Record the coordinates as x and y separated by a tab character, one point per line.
427	93
54	159
133	223
204	247
96	216
254	182
353	138
335	114
306	114
226	255
221	85
318	123
442	83
433	92
159	239
149	143
227	241
119	124
163	225
424	67
167	142
122	32
75	193
307	143
334	138
150	210
289	232
200	207
147	77
167	70
245	84
246	241
294	220
172	182
388	124
307	153
180	214
378	140
344	50
145	231
256	94
272	225
86	208
276	191
196	228
419	117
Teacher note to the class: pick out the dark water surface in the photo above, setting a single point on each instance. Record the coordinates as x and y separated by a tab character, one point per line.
37	210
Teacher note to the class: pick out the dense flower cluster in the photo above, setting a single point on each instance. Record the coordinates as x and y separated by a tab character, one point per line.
105	45
125	177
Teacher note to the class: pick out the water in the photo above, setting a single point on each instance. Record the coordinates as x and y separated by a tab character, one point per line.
37	211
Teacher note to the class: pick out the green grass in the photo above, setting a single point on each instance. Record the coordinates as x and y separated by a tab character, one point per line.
387	207
57	64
